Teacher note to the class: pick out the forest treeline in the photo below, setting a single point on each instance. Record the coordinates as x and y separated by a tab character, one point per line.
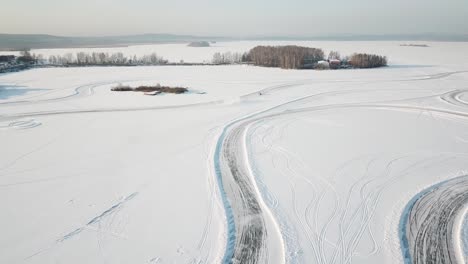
362	60
286	57
101	58
296	57
13	63
229	58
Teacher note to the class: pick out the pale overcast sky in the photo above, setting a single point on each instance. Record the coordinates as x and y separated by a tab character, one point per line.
233	17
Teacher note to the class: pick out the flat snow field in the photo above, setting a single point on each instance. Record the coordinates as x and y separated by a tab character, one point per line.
253	165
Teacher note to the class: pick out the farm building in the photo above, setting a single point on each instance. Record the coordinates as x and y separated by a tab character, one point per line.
7	58
334	64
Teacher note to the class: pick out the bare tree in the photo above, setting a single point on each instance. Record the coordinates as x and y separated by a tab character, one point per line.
227	58
334	55
287	57
362	60
82	58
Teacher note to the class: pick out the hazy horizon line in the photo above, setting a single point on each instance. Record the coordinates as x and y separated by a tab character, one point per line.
250	36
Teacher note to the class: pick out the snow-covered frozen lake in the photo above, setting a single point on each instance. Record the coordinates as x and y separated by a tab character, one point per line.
328	160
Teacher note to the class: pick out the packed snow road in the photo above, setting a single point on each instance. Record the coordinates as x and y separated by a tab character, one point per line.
370	199
250	245
432	226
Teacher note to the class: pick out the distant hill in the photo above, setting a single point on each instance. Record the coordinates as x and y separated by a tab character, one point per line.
384	37
20	42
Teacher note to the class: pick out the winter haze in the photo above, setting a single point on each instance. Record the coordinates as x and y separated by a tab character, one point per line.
233	18
233	132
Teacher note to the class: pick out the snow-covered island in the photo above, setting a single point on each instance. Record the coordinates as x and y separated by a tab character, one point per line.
199	44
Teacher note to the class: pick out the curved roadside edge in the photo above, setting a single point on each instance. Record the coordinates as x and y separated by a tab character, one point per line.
231	228
458	234
231	243
429	221
250	225
243	244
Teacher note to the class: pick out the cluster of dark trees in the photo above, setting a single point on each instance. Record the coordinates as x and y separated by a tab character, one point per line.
12	63
415	45
362	60
25	57
148	89
296	57
286	57
7	58
199	44
229	58
101	58
334	55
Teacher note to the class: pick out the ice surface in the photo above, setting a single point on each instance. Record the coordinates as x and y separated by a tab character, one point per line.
336	155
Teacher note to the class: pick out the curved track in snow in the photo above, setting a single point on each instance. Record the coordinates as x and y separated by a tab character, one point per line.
250	244
431	224
78	92
103	110
456	98
250	221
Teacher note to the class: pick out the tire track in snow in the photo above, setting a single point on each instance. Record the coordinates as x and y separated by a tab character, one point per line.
20	124
79	91
213	198
112	110
370	204
429	223
438	75
455	98
246	234
88	226
235	248
288	232
250	244
366	210
105	110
